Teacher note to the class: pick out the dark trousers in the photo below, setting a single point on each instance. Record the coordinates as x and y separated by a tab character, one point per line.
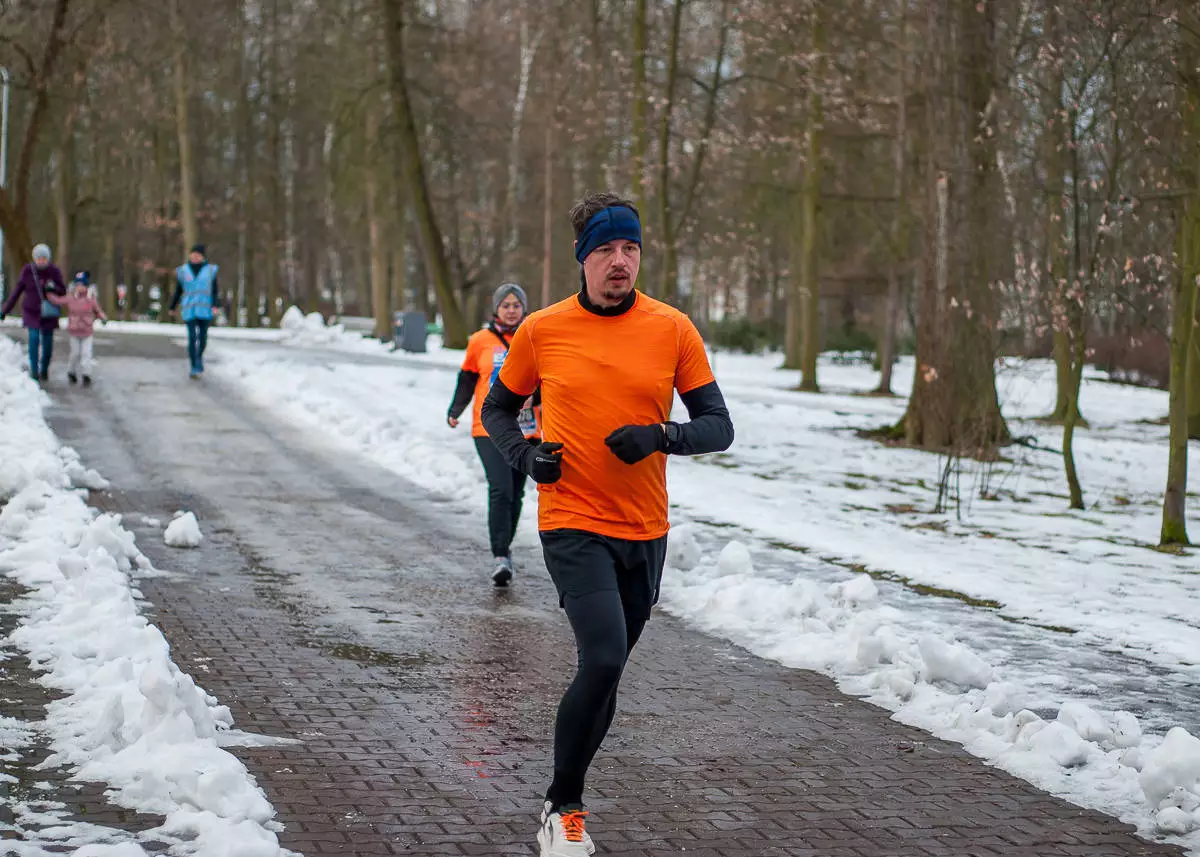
197	329
506	490
41	350
607	587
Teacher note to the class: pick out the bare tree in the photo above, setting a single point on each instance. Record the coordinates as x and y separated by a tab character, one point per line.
1184	302
432	251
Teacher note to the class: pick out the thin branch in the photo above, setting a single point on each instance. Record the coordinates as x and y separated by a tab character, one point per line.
710	117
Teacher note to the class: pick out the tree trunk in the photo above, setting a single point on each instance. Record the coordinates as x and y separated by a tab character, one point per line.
247	200
14	197
1054	263
187	200
1183	314
1078	355
512	191
548	216
638	134
898	233
1076	325
399	287
381	304
277	216
669	280
165	259
793	321
63	192
954	405
108	275
1184	302
18	240
432	251
597	148
250	272
810	284
1193	375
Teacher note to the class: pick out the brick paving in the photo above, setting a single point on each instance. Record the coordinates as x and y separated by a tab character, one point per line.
335	605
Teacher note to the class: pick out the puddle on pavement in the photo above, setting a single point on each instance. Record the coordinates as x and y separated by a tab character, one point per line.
374	657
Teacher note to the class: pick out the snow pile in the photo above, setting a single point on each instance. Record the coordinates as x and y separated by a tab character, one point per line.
1171	780
129	717
953	664
183	531
80	476
306	330
935	683
292	321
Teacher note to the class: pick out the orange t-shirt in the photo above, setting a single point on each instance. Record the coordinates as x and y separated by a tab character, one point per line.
485	355
599	373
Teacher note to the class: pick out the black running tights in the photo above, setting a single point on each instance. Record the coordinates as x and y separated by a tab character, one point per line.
605	633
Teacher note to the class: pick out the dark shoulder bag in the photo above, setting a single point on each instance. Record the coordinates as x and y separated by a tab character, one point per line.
49	308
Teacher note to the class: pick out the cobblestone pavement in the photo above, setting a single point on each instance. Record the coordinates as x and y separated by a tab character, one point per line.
339	605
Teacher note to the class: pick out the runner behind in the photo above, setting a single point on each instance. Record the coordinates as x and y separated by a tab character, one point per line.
486	350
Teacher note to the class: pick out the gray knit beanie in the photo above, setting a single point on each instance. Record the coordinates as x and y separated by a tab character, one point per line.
504	291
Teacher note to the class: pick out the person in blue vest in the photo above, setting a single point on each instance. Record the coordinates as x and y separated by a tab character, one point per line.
196	285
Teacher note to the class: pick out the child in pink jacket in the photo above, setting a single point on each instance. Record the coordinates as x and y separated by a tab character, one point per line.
82	312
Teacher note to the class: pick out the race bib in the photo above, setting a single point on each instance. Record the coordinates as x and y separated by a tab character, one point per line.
527	420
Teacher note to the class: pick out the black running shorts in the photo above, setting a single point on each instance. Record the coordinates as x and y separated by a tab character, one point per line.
580	563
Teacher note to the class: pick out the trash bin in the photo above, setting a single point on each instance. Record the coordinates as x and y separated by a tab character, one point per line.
408	329
397	326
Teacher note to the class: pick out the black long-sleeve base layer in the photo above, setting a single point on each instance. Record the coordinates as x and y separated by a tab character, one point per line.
463	391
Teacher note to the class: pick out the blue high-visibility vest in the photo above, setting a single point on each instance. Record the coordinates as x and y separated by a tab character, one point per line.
197	291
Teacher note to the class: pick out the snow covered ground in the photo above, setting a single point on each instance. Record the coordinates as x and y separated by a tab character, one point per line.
127	717
1058	645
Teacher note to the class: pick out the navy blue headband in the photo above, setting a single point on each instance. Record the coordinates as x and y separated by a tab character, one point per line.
606	225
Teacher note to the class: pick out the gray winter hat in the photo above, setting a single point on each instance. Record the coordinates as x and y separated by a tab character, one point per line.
504	291
41	251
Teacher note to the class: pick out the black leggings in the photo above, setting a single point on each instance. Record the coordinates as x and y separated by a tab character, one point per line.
506	488
607	587
605	635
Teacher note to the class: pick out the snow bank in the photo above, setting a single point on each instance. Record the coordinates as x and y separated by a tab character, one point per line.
307	330
937	684
129	718
400	438
183	531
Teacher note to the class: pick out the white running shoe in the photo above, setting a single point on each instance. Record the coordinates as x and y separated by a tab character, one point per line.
504	571
563	834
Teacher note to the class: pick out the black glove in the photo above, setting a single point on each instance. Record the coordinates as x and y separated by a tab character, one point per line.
633	443
543	462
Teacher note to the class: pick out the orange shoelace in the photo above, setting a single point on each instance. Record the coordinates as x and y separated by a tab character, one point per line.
572	823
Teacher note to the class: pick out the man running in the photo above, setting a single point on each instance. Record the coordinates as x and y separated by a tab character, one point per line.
196	285
608	361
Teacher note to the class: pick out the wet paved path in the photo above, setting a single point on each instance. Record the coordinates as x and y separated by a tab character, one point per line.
335	603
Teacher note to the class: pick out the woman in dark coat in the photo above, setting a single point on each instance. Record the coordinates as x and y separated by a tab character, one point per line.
38	314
